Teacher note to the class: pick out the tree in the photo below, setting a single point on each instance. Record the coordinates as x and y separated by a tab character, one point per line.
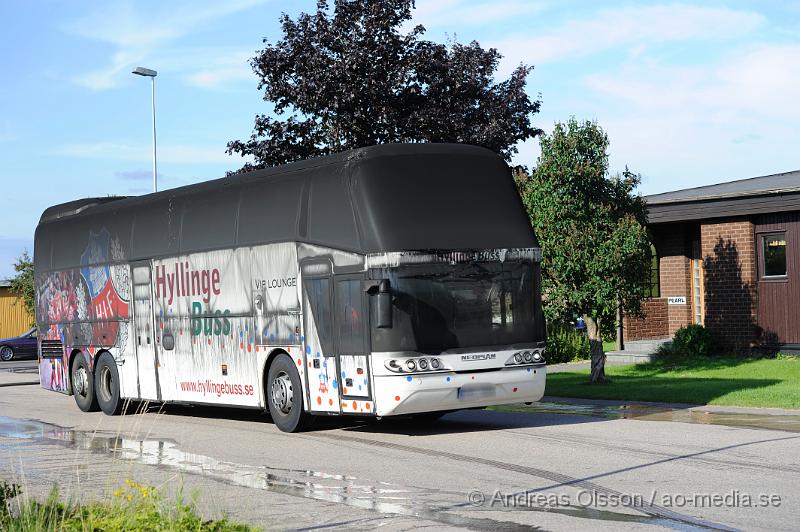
22	283
591	226
351	79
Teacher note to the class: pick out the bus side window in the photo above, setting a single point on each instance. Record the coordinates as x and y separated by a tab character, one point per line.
319	297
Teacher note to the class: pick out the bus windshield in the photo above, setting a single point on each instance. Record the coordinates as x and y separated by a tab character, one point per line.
440	307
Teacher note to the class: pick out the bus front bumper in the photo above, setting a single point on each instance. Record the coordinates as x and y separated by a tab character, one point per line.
412	394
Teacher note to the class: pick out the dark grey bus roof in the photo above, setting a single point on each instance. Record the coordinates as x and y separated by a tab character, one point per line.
392	197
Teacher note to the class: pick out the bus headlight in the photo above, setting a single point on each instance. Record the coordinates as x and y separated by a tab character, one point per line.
414	365
534	356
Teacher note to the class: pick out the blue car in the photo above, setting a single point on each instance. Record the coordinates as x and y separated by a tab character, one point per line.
23	346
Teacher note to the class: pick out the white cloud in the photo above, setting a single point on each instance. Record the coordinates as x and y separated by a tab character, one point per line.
137	35
631	27
731	120
757	83
169	153
453	13
108	77
120	24
222	69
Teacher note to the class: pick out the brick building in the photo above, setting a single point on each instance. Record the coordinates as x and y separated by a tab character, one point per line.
727	257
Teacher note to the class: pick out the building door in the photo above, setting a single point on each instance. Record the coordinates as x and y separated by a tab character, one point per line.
144	333
698	310
777	263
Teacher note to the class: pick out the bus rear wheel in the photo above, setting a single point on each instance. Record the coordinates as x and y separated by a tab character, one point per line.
285	396
83	384
106	385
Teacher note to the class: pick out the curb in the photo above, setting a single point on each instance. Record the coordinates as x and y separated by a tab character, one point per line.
23	383
716	409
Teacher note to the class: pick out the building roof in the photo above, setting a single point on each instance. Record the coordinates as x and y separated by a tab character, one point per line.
756	195
768	184
5	283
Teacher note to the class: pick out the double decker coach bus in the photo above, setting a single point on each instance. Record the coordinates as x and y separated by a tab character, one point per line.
388	280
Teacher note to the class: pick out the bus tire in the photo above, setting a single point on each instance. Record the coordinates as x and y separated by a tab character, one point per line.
285	396
83	384
106	385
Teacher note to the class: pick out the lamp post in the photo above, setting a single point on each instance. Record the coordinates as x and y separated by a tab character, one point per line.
146	72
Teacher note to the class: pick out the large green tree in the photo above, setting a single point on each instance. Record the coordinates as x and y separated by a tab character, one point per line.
591	226
351	78
22	283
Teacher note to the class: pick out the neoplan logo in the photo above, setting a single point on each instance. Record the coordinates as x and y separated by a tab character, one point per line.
478	356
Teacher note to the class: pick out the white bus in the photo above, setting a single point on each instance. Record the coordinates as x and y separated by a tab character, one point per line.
390	280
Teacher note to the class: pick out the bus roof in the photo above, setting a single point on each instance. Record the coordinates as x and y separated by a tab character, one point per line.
391	197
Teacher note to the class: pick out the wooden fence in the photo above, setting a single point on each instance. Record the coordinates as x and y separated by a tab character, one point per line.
14	320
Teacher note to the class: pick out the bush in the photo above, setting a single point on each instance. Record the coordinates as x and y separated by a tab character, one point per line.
565	344
690	340
7	491
133	508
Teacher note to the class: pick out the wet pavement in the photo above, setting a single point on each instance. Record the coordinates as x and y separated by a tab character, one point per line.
381	497
352	474
771	419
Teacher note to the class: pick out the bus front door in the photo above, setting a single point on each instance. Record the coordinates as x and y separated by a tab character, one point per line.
351	326
144	333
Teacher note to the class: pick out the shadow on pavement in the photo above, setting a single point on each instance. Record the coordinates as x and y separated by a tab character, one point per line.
455	422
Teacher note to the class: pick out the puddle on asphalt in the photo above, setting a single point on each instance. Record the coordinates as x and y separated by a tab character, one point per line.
434	505
788	423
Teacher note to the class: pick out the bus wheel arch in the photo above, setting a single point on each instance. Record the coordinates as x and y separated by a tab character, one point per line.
283	393
70	362
81	379
265	370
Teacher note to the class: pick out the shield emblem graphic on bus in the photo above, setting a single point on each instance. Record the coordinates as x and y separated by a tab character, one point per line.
106	303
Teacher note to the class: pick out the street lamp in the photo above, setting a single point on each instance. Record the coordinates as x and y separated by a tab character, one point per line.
146	72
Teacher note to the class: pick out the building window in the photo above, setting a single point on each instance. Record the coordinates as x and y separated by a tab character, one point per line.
653	286
773	250
697	283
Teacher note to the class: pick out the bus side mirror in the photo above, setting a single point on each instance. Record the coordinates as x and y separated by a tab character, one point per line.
383	303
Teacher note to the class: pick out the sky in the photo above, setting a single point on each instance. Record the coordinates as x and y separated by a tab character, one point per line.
690	93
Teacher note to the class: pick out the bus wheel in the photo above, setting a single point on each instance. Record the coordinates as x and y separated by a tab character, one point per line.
285	396
106	385
83	384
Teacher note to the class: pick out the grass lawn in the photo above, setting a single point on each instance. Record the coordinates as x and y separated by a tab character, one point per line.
715	381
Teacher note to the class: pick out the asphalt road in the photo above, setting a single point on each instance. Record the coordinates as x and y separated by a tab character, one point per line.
568	471
22	365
